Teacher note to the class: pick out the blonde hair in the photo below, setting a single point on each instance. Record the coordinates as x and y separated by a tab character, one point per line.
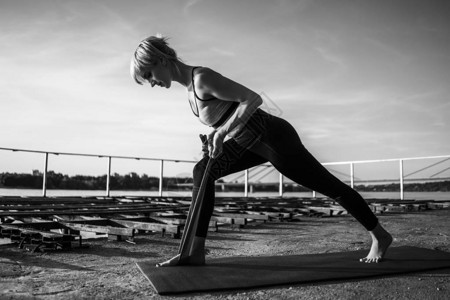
149	51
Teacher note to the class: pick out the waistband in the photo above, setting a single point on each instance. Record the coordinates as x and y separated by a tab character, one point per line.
253	130
226	115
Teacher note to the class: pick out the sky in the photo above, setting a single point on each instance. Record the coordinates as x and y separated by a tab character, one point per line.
358	79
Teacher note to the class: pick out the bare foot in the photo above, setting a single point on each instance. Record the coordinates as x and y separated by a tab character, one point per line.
381	240
193	260
196	255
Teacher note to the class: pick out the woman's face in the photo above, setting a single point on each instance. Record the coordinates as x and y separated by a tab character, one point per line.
158	74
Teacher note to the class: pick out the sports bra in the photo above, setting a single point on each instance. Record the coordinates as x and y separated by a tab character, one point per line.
215	111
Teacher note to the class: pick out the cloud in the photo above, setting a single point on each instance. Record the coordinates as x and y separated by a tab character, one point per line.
189	4
354	88
332	57
223	52
389	50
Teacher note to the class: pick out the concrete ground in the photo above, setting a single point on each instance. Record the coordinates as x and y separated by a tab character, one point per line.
107	270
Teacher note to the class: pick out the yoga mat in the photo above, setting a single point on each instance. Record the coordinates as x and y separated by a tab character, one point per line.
232	273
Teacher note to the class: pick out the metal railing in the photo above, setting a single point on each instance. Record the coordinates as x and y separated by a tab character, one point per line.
108	173
351	164
400	161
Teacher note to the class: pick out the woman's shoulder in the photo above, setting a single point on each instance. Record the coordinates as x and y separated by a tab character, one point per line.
205	76
206	81
204	72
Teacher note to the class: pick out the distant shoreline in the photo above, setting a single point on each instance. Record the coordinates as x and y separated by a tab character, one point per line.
133	193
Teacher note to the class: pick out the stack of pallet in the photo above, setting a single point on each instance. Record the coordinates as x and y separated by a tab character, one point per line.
54	223
40	224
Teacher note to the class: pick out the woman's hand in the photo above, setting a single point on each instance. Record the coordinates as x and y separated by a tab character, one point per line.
215	143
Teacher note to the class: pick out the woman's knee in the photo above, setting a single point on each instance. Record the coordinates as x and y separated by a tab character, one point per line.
199	169
347	196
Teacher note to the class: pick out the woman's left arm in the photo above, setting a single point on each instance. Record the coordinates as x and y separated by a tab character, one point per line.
212	84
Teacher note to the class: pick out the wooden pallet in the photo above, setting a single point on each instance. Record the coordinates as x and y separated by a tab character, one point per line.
123	218
38	237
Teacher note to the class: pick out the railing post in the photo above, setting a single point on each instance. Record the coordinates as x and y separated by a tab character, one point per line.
108	178
44	179
161	176
280	187
402	193
246	183
352	175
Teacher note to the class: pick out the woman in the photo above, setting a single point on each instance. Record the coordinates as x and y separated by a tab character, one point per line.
255	137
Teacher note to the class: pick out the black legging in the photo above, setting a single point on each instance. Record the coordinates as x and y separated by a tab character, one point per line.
267	138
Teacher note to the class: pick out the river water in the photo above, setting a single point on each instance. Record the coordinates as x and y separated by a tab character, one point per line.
87	193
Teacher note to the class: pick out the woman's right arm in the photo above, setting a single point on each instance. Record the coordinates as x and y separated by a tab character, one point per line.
212	84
